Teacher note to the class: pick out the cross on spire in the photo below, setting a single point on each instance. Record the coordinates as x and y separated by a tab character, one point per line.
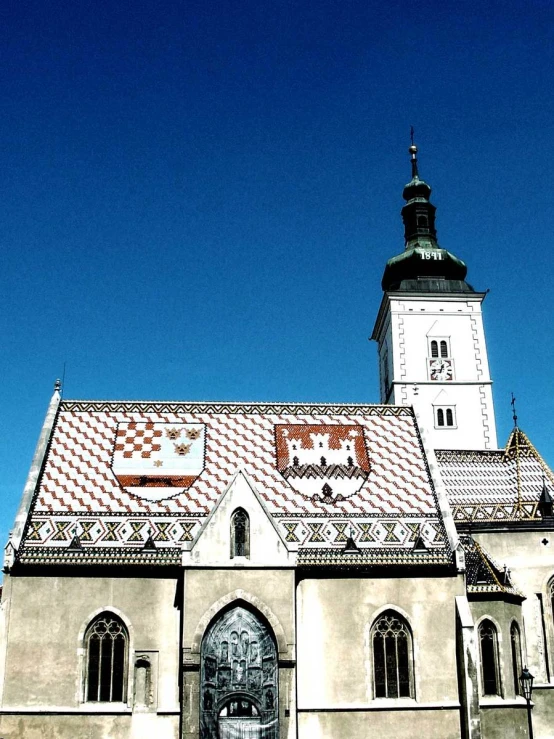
413	155
514	414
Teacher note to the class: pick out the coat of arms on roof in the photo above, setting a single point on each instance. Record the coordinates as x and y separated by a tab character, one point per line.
328	463
158	460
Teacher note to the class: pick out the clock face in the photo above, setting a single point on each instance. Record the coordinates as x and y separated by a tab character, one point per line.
441	370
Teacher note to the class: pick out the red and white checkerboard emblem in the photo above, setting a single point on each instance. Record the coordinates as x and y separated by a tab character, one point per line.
322	462
158	460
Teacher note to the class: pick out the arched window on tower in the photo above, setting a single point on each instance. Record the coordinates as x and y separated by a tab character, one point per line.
240	534
444	348
392	657
445	416
488	645
434	348
107	647
515	639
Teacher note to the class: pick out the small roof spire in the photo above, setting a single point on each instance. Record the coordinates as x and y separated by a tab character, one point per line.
413	155
57	386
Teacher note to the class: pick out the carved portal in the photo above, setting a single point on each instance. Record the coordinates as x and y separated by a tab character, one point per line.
239	679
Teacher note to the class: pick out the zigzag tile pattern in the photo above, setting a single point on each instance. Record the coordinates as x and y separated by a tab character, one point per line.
78	478
79	496
494	485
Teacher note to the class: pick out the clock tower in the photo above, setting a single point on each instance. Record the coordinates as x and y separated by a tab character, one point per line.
432	349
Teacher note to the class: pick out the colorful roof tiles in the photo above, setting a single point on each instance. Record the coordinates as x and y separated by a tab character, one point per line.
118	473
495	486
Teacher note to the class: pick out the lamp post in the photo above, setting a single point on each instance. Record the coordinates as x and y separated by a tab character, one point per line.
526	681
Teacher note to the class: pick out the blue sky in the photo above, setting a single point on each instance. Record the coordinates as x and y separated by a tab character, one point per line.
198	200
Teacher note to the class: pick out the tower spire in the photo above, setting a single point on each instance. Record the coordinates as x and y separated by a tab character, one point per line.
423	266
419	213
413	155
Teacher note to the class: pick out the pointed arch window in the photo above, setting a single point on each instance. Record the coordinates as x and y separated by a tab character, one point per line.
515	640
240	534
107	648
488	646
391	641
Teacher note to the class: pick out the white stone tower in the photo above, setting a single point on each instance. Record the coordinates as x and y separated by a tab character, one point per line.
432	349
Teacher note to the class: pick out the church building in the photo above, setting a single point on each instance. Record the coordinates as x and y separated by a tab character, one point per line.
193	570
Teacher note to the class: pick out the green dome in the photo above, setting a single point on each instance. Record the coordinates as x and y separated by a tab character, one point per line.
430	269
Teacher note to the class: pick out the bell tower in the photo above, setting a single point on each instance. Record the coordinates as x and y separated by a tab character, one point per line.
429	329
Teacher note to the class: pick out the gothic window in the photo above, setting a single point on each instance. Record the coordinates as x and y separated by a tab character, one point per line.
240	534
107	644
515	639
445	417
488	644
392	657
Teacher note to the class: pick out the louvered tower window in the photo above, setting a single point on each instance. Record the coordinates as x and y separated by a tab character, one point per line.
445	417
439	348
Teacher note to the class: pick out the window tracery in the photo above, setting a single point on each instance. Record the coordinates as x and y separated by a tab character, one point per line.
392	657
107	643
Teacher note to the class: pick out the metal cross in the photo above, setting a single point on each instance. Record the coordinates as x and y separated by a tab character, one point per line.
514	414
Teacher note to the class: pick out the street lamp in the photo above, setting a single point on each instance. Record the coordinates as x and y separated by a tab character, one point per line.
526	680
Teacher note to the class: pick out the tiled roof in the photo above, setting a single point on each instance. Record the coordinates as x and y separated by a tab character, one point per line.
503	485
118	472
369	557
32	555
483	573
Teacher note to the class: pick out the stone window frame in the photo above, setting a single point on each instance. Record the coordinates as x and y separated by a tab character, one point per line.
108	616
516	655
497	655
439	347
548	623
403	617
234	533
128	687
444	410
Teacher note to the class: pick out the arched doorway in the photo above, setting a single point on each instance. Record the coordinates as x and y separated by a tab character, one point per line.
239	679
